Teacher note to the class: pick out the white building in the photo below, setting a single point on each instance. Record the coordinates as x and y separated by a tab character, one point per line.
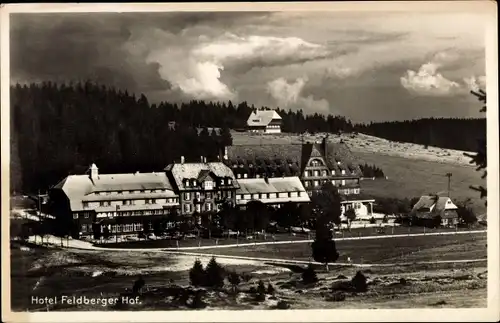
264	121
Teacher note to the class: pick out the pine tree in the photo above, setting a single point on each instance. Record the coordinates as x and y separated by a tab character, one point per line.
234	279
214	274
481	156
309	275
323	247
197	275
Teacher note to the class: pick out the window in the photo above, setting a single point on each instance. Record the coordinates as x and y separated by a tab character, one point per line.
307	183
187	208
195	183
187	196
198	195
148	201
333	172
256	196
306	173
316	173
245	175
84	228
316	162
343	182
86	215
101	203
209	185
343	172
142	191
187	183
85	204
208	207
198	208
208	195
315	183
289	194
238	197
268	195
299	194
97	193
324	173
238	176
333	182
229	181
75	215
229	194
119	192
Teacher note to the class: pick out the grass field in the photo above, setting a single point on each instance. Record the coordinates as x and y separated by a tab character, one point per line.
390	250
91	273
413	178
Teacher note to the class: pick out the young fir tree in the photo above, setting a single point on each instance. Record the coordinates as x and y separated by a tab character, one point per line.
197	274
323	247
309	275
214	274
234	279
480	157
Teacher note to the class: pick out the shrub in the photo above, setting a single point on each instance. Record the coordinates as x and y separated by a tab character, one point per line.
252	290
270	289
309	275
336	297
198	301
372	220
234	279
358	282
138	285
214	274
283	305
197	274
343	285
261	288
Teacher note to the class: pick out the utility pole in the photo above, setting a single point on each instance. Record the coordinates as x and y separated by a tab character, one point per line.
449	182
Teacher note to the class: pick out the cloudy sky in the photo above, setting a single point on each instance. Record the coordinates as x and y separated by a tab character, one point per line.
366	66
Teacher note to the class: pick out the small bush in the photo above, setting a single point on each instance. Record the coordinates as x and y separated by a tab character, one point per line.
309	275
358	282
252	290
197	274
336	297
198	301
283	305
260	297
270	289
343	285
261	288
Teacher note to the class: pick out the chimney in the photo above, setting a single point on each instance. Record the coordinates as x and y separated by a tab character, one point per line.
201	159
94	172
205	160
182	159
324	146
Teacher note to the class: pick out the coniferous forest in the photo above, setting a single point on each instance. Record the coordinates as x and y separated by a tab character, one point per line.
60	129
460	134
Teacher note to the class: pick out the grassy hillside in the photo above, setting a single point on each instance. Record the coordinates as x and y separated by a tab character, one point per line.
412	169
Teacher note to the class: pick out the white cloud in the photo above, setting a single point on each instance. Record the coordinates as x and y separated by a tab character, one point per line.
194	66
289	95
427	81
475	83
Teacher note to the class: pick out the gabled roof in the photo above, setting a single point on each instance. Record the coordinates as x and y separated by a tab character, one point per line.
181	171
262	118
434	205
77	187
272	185
294	155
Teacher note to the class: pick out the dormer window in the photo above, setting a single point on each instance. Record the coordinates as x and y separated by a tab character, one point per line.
245	175
229	181
333	172
238	176
186	183
343	172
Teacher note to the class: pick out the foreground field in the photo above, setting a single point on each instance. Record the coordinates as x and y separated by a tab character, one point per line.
102	273
390	250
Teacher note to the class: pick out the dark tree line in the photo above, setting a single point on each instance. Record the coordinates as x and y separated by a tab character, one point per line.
451	133
297	122
371	171
58	129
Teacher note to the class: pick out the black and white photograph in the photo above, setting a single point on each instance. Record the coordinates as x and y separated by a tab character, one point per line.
265	158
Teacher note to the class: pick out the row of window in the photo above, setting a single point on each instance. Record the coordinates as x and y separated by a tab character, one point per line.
131	192
206	195
261	196
132	202
86	215
208	185
324	172
348	191
273	126
188	208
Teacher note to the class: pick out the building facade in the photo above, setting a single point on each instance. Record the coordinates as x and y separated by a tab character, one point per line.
313	163
271	191
120	203
202	187
429	208
264	122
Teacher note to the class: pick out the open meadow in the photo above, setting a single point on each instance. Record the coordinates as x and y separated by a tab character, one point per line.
397	284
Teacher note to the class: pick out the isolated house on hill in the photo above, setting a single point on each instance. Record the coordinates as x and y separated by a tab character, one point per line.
264	121
428	208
